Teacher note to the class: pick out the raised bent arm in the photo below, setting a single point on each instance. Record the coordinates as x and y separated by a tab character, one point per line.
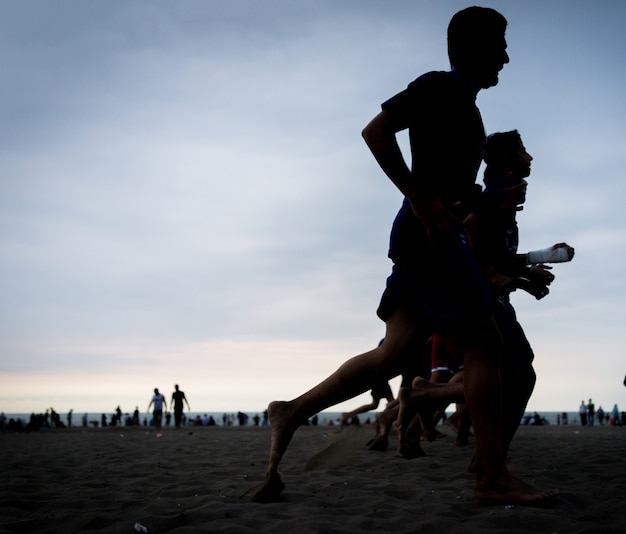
380	137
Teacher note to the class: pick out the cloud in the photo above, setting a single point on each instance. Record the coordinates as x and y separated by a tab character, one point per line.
190	181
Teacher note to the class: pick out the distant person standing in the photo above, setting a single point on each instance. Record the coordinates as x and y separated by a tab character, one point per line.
242	418
582	411
591	412
158	400
600	414
615	416
69	418
178	401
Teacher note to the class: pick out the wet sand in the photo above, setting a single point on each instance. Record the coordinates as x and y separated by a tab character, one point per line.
109	480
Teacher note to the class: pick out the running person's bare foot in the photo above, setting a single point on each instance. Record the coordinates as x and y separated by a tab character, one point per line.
281	419
454	422
506	489
406	412
379	443
387	418
460	423
417	401
384	422
411	448
268	491
409	426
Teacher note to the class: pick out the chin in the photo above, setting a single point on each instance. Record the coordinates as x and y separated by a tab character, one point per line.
490	82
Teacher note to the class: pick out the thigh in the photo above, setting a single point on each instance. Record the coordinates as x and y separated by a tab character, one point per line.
405	346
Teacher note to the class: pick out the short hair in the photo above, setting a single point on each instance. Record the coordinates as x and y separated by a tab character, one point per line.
471	30
500	149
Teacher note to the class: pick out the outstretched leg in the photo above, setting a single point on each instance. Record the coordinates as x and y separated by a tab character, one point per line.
354	377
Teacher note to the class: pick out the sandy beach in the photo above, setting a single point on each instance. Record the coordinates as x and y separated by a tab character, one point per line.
122	479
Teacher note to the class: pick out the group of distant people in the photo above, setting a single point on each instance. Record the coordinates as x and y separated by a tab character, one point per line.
453	246
588	414
158	403
51	419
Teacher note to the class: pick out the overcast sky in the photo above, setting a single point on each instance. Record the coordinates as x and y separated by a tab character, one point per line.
185	196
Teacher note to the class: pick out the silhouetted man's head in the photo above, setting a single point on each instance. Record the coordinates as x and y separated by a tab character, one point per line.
476	45
508	164
504	152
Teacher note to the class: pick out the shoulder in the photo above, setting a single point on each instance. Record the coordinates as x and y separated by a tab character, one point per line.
431	89
420	94
435	81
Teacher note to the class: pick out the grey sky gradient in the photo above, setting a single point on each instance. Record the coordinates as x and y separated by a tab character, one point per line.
185	196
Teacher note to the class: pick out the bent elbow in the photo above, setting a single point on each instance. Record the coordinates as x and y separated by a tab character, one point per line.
378	129
366	133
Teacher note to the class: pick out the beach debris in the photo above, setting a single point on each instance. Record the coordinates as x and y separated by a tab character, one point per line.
140	528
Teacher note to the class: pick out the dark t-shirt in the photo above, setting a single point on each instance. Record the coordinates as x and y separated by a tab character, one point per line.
437	280
447	139
178	397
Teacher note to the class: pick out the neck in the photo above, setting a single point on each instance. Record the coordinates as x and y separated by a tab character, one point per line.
473	87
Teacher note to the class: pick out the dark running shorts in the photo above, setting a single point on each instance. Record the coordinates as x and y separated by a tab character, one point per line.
447	284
